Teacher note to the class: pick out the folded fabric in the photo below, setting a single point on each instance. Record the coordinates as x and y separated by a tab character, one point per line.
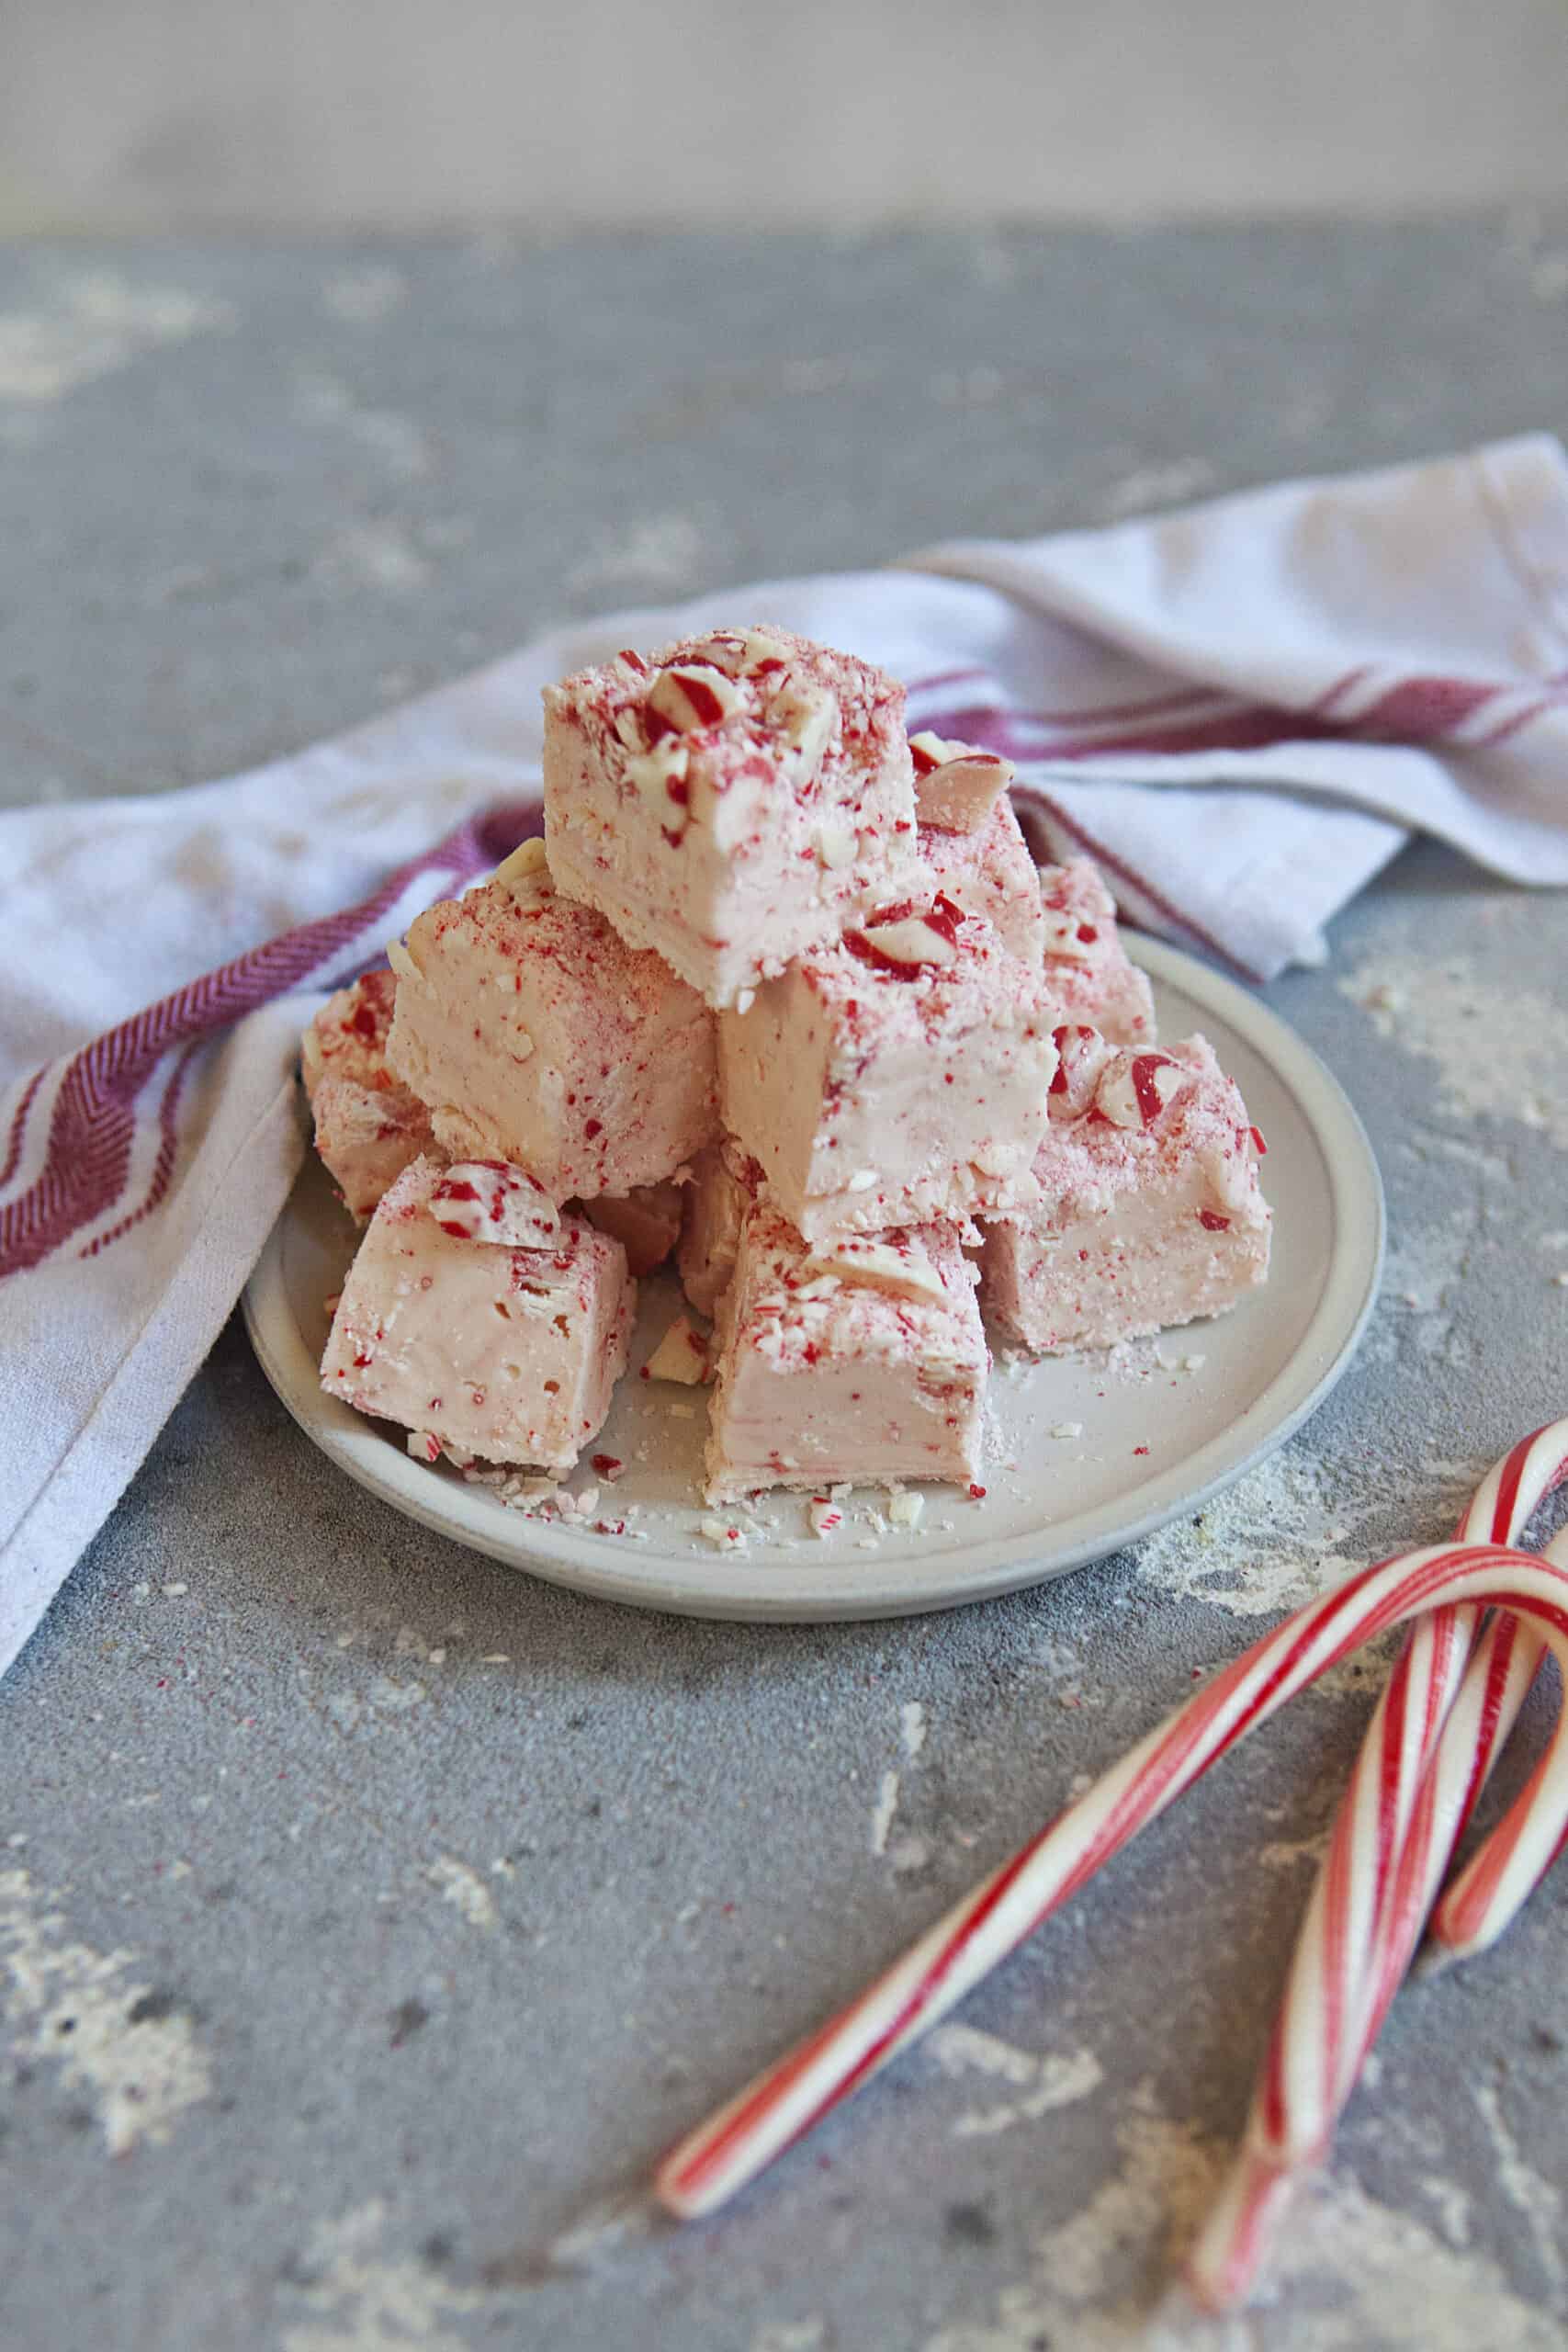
1242	710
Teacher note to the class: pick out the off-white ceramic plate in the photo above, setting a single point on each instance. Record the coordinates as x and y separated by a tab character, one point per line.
1164	1423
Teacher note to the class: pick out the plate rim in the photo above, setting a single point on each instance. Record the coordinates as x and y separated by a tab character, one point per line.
746	1590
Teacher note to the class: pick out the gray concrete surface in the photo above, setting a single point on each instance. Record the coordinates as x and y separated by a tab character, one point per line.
370	1914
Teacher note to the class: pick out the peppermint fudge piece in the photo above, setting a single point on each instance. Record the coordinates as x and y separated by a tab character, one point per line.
475	1348
1150	1211
1086	967
725	1181
646	1222
897	1077
731	802
536	1036
956	786
368	1127
987	871
858	1359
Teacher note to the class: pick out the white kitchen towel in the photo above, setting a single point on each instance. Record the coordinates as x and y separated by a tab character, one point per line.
1240	710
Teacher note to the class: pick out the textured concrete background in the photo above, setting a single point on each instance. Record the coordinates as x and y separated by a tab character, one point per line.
368	1914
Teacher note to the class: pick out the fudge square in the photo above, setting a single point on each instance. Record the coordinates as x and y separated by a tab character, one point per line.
368	1127
897	1077
537	1036
730	801
1150	1212
476	1348
989	871
858	1359
1091	978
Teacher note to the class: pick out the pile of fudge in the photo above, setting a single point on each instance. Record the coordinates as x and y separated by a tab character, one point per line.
782	995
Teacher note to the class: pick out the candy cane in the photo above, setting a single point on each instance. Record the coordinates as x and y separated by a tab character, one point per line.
1484	1897
785	2102
1423	1760
1421	1769
1234	2243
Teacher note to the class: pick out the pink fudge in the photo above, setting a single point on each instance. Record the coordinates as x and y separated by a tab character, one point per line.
646	1222
368	1127
537	1037
1151	1212
731	802
858	1359
956	786
724	1183
899	1077
1086	967
477	1350
989	871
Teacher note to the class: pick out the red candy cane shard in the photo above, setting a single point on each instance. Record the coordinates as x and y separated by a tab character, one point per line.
711	2163
1423	1762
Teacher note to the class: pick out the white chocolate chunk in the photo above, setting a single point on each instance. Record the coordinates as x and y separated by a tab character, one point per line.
651	773
807	716
880	1265
904	1510
934	747
526	870
682	1355
837	846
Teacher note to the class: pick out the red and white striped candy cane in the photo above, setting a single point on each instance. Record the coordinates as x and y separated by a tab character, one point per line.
1501	1876
1422	1764
711	2163
1233	2245
1490	1889
1484	1898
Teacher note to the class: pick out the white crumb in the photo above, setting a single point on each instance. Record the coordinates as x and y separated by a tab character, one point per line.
882	1816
